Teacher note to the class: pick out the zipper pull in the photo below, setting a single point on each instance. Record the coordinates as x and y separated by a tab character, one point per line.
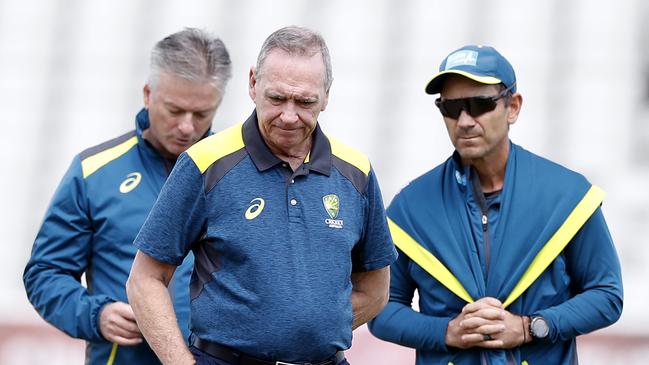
485	220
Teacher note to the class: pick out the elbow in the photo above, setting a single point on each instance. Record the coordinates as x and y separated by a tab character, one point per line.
614	299
132	286
617	304
381	298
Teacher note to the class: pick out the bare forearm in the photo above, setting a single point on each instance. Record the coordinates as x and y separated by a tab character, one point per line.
156	318
370	293
147	293
365	307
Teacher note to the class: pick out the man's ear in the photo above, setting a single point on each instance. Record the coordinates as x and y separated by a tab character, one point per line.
514	108
146	93
252	81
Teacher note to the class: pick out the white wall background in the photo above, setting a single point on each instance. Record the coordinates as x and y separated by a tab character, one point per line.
72	71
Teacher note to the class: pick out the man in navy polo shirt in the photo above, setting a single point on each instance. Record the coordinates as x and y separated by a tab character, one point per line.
287	226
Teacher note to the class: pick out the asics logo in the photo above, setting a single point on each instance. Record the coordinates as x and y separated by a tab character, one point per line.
255	209
131	182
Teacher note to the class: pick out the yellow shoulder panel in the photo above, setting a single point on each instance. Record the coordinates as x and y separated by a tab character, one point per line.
93	163
216	146
350	155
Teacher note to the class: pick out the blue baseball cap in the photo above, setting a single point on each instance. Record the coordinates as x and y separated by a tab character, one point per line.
479	63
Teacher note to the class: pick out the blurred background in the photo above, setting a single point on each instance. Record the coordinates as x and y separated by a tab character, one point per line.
72	72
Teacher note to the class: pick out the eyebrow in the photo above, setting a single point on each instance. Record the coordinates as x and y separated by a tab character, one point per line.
298	97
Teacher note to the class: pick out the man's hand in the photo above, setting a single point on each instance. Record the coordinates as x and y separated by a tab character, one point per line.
485	323
117	324
477	321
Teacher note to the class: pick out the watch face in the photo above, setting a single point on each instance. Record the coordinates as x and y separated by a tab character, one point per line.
539	327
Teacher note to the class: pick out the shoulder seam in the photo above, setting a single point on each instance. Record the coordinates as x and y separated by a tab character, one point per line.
216	146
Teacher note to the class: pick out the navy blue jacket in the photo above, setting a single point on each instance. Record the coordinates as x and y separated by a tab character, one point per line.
579	292
90	225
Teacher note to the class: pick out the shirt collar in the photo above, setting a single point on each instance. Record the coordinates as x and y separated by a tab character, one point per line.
319	159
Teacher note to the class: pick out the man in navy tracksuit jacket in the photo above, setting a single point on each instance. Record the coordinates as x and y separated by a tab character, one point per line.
106	195
509	252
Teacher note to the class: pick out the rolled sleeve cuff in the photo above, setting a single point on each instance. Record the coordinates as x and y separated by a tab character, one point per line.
100	302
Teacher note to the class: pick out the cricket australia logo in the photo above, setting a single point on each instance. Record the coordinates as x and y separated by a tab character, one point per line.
332	206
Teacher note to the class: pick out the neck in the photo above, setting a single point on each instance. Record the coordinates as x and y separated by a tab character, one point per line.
155	143
492	177
491	170
294	156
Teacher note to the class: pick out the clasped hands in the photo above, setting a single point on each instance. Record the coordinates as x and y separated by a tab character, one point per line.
485	323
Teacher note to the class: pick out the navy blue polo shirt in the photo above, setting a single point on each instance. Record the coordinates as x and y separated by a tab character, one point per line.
274	248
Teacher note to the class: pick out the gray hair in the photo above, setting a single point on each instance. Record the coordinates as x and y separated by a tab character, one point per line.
194	55
297	41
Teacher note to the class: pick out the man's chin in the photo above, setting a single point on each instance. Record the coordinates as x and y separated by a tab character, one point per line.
469	153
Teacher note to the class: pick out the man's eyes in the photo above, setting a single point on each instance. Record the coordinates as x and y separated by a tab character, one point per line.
306	102
277	99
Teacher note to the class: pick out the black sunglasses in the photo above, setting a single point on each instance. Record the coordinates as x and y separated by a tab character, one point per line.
474	106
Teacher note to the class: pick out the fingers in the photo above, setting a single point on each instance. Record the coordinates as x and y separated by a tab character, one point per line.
482	340
486	312
124	327
494	302
485	323
124	310
486	302
117	324
123	341
482	332
482	326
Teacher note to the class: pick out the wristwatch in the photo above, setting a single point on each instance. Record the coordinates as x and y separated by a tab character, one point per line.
539	328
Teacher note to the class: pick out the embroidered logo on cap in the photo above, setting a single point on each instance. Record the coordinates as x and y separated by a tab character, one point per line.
461	58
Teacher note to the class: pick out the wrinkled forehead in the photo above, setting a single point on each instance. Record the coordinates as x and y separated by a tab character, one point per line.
312	62
289	70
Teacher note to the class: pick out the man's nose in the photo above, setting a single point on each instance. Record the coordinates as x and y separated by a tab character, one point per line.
186	124
289	113
465	120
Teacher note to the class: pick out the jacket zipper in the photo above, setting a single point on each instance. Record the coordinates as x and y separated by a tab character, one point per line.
485	237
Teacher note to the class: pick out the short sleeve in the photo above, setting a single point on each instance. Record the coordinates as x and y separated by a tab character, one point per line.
375	249
178	217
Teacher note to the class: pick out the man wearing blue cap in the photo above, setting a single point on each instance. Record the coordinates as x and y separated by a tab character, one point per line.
509	252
